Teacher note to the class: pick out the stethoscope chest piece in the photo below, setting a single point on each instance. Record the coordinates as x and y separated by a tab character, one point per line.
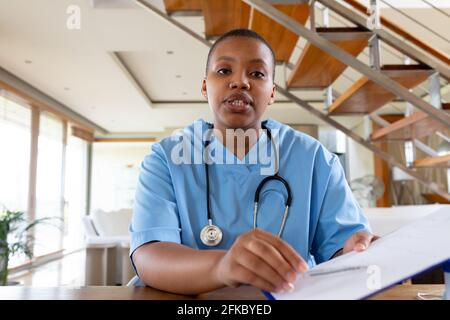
211	235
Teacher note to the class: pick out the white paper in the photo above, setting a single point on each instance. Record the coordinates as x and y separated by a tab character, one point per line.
412	249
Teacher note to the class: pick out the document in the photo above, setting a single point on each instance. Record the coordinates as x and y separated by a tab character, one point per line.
414	248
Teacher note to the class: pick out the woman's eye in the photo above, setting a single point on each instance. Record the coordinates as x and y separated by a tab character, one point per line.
223	71
258	74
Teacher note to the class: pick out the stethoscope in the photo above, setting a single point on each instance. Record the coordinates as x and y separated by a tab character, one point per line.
211	235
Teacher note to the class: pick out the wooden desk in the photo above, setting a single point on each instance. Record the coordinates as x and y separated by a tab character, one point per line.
400	292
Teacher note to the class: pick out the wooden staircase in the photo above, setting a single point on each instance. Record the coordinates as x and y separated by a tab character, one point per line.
224	15
366	96
183	6
416	126
280	39
433	162
317	69
435	198
221	16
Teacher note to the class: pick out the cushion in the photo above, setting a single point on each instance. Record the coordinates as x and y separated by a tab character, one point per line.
112	223
386	220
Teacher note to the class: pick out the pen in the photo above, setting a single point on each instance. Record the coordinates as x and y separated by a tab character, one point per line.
332	271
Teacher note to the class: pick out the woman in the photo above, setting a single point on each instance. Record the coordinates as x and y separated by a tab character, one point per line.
193	225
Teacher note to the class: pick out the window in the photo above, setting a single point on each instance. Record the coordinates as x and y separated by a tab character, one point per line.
75	191
15	136
61	175
49	198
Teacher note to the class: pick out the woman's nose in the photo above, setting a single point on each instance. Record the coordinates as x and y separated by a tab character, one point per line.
240	83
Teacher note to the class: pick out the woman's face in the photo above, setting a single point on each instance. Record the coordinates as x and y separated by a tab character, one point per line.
239	83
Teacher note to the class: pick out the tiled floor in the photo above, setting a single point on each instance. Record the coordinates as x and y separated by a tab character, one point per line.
68	271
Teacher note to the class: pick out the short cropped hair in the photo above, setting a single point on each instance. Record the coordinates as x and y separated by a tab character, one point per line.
247	33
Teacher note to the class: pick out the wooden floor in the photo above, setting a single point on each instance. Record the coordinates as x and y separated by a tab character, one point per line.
68	271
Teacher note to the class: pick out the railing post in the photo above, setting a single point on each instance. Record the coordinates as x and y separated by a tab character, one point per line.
312	15
435	90
328	97
329	89
326	17
367	127
408	146
409	153
373	22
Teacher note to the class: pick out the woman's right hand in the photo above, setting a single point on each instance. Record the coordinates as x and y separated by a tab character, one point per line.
260	259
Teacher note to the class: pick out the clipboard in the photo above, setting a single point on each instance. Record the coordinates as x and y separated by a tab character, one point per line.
411	250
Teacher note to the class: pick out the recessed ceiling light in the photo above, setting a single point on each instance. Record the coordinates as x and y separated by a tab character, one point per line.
178	76
184	93
169	52
66	88
28	61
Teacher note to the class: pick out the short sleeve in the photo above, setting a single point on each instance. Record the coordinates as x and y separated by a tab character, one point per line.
340	216
155	214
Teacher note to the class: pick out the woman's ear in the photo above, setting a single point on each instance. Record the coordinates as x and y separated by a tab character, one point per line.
204	89
272	95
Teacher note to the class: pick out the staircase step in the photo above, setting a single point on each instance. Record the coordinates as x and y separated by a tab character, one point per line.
187	7
224	15
281	40
416	126
435	198
316	69
440	161
365	96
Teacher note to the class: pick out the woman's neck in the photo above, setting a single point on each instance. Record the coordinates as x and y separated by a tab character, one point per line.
238	140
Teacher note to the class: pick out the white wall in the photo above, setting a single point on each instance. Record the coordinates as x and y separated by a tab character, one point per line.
359	159
115	172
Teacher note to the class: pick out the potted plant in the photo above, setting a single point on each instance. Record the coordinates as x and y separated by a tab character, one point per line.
14	238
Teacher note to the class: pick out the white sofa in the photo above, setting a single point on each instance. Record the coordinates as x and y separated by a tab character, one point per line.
386	220
107	247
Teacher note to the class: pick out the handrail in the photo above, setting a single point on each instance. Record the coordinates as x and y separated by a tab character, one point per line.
397	29
384	48
436	8
415	21
379	78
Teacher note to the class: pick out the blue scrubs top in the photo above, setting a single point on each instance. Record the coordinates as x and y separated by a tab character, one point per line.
170	203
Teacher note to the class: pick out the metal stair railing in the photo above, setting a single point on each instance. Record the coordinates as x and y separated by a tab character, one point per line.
385	48
415	21
429	54
347	59
427	150
436	8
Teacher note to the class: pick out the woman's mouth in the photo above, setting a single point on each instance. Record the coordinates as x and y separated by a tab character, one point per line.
238	102
237	106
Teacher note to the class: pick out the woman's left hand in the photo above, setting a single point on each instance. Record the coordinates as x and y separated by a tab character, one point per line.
359	241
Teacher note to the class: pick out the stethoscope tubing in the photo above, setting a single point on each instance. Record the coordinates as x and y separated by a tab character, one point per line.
275	176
